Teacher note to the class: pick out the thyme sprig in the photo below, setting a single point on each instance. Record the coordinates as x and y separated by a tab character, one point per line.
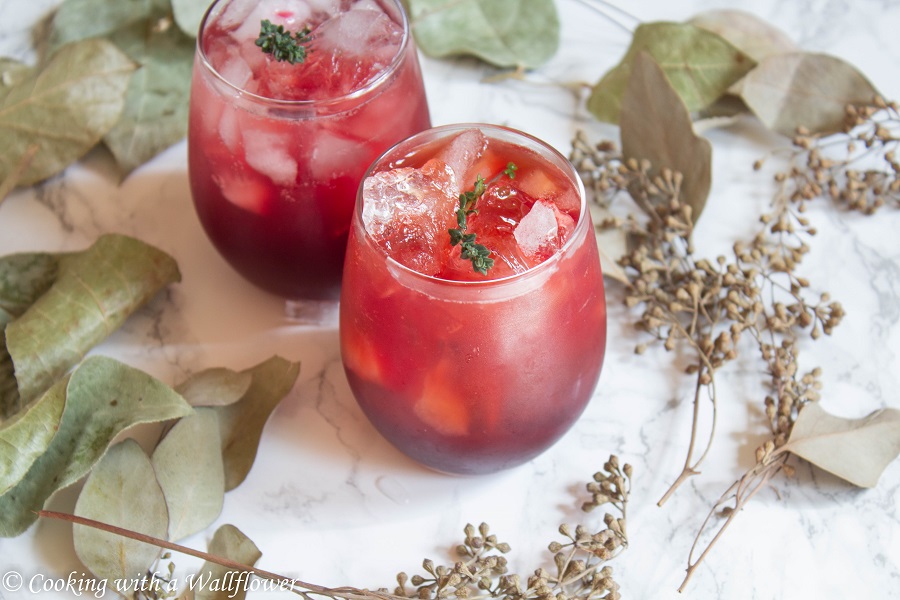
755	292
281	44
469	249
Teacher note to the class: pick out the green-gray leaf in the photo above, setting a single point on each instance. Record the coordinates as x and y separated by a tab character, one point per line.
188	465
76	20
241	423
23	279
748	33
856	450
700	65
189	14
25	437
228	542
64	109
103	398
121	491
801	89
94	292
505	33
215	387
11	72
156	105
656	126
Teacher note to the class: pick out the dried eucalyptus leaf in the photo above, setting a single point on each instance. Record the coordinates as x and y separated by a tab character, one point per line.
10	402
241	423
611	243
745	31
803	89
23	279
189	14
121	491
700	65
94	292
215	387
12	71
856	450
228	542
188	465
25	437
656	126
65	108
504	33
720	113
103	398
76	20
156	104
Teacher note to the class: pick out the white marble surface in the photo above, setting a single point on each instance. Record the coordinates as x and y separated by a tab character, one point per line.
331	502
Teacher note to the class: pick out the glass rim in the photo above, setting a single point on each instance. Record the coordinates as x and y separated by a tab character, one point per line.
584	216
372	85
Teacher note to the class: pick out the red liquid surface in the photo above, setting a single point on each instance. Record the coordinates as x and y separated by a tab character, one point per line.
474	378
274	184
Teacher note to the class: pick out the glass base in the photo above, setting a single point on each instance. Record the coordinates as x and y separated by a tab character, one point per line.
321	313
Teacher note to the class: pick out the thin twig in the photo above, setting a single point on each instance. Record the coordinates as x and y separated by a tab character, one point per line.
296	586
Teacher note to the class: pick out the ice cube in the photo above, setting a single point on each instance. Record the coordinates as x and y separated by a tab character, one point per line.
408	211
336	155
538	232
350	49
460	154
234	68
229	129
269	154
358	33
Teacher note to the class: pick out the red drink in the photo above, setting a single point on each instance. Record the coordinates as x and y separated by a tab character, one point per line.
277	150
472	373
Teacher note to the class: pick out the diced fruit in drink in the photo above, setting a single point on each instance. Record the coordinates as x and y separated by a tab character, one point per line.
440	405
359	354
538	184
245	191
489	165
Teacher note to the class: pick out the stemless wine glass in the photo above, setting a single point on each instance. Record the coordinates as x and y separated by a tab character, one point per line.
277	150
478	375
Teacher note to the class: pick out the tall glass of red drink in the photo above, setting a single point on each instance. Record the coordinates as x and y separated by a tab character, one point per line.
465	370
277	149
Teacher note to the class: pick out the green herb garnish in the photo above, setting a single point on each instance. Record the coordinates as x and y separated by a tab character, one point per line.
477	253
281	44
